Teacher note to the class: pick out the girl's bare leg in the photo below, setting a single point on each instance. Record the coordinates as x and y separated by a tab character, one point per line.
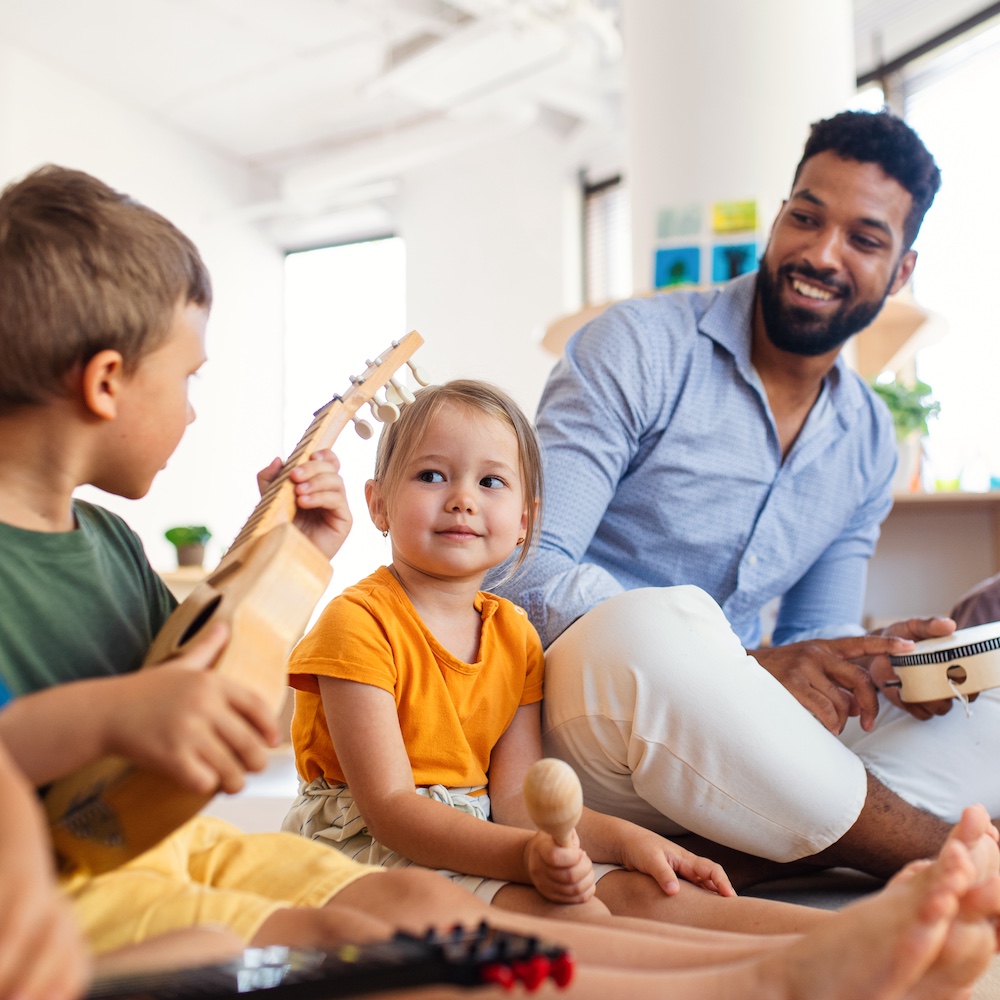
637	895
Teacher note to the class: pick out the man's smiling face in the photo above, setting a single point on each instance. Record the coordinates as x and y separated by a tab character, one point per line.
836	251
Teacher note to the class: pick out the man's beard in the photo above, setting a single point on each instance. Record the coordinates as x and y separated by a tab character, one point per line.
801	331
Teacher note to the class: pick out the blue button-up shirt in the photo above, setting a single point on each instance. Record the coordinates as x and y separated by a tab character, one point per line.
663	466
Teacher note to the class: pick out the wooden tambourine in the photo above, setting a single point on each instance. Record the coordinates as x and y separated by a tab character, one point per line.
265	588
952	666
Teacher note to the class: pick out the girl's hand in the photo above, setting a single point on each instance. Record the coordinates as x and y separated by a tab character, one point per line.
560	874
645	851
323	515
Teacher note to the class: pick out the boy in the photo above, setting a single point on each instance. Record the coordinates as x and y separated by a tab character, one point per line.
103	306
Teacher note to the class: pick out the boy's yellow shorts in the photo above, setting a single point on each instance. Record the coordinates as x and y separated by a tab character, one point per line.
208	872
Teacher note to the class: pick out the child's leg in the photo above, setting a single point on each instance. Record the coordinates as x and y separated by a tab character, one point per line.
179	949
413	899
925	937
635	894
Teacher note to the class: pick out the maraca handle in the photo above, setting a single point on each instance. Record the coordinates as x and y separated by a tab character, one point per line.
554	798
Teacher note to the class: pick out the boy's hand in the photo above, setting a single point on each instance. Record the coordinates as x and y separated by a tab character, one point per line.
323	517
560	874
200	727
648	852
42	953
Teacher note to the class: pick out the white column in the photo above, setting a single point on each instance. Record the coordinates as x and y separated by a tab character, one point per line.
719	98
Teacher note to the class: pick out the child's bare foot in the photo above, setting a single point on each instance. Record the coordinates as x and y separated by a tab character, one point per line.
881	947
976	830
969	946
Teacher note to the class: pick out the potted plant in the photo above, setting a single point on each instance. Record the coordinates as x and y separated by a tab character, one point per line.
189	540
911	405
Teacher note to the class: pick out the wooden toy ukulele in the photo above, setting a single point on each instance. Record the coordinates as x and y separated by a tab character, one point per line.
265	588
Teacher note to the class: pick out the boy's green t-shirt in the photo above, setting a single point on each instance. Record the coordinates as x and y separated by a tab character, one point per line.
76	604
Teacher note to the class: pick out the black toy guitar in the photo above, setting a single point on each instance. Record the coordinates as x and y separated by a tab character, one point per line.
464	958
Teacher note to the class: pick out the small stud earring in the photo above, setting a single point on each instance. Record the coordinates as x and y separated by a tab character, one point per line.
520	541
385	532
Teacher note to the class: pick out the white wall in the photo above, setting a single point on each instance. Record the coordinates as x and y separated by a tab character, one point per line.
490	260
46	116
491	244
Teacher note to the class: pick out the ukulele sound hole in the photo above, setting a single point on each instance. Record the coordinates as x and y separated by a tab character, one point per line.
201	620
957	674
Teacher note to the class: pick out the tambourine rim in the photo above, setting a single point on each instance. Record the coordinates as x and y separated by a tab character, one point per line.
972	641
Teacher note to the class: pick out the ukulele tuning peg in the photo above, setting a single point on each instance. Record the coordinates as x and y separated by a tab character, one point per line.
400	394
384	412
364	429
420	374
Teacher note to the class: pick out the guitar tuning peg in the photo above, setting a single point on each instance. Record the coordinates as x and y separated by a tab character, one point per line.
420	374
400	394
364	429
386	413
392	395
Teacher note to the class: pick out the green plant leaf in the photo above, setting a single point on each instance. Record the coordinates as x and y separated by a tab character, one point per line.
191	534
910	405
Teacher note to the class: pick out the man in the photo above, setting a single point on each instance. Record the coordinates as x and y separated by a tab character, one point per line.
717	439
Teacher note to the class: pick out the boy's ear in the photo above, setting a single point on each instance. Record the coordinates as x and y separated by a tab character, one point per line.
101	383
376	505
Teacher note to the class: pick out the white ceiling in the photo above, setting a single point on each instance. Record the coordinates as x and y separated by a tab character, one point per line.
331	99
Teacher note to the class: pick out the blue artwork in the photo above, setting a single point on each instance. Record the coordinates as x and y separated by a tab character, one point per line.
676	266
730	260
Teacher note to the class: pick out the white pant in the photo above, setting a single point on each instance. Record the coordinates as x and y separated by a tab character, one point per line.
670	724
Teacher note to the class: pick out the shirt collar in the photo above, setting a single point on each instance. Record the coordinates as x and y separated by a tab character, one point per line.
728	319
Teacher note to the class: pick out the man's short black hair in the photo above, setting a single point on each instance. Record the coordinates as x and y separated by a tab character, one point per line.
880	137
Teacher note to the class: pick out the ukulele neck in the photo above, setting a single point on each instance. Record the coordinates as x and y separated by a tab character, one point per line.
277	505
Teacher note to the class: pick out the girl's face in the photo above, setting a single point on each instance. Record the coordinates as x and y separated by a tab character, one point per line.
459	508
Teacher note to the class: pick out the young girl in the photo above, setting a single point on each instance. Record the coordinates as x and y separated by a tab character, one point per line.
417	681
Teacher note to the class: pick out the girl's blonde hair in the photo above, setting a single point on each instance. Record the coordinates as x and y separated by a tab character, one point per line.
401	439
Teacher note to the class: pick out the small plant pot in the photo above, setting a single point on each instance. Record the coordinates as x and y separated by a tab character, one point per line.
191	555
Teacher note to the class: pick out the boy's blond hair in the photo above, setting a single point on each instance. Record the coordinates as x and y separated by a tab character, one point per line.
401	439
83	269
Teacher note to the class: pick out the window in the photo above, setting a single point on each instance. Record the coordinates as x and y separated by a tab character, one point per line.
607	249
950	99
343	305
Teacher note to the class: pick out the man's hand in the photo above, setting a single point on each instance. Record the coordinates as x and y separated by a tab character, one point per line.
886	679
180	717
323	516
830	678
560	874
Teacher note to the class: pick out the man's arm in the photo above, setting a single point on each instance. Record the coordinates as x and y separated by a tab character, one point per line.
815	655
600	401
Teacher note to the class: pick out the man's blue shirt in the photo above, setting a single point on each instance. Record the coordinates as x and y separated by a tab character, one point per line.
663	466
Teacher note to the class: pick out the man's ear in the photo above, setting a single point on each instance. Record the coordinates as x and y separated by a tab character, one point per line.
376	505
903	271
101	383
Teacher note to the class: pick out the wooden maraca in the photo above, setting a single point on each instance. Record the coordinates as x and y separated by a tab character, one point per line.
554	798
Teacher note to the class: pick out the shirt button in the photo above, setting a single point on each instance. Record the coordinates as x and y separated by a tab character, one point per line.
751	560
